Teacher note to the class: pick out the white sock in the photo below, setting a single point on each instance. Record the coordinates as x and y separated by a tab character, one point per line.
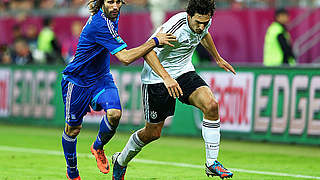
132	148
211	136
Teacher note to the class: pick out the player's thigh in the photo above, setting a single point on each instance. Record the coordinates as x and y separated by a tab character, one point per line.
158	104
154	128
189	82
202	98
76	102
106	98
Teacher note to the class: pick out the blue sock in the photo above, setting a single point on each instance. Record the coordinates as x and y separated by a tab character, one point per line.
106	132
69	148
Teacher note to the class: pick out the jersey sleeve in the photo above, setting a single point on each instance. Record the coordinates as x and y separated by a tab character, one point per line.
108	37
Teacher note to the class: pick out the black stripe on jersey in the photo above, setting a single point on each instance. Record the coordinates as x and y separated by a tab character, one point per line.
175	25
178	27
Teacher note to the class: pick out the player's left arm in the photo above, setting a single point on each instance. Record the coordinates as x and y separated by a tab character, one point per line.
171	84
208	43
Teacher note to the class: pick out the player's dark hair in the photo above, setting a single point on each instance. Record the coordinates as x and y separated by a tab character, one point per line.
202	7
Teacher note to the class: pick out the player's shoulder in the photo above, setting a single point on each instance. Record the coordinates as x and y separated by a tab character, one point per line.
100	20
182	16
176	22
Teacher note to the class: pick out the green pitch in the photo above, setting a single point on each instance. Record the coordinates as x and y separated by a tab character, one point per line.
33	153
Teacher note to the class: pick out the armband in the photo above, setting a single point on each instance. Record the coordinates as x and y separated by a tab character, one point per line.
156	40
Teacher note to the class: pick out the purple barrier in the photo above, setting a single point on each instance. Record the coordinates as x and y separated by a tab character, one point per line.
302	28
238	34
7	27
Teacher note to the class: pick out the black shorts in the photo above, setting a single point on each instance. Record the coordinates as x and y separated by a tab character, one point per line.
158	104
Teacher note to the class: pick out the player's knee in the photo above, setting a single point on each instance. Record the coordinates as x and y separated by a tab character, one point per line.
114	114
73	131
211	109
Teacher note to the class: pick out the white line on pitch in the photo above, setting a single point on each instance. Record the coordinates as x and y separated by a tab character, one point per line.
145	161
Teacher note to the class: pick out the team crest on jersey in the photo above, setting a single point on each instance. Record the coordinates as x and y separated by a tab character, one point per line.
119	40
153	114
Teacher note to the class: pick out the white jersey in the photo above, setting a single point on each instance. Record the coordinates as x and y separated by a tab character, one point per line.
176	60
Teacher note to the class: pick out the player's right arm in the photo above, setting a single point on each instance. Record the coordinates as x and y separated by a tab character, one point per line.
171	84
128	56
208	43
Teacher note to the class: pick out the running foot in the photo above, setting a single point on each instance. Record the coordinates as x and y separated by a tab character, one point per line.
217	169
102	161
77	178
118	171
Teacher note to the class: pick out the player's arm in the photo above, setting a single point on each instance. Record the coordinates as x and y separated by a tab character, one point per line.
171	84
208	43
128	56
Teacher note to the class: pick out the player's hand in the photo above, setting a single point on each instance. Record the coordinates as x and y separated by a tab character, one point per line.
225	65
165	38
173	87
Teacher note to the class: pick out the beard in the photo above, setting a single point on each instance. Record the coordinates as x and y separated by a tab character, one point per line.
112	15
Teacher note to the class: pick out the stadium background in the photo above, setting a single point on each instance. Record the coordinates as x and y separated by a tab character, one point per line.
260	106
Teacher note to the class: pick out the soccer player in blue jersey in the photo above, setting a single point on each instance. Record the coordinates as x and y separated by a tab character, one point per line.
87	80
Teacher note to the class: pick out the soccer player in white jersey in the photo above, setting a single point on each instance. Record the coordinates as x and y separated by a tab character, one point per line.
190	28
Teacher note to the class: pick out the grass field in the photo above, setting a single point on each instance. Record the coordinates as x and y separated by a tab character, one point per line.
33	153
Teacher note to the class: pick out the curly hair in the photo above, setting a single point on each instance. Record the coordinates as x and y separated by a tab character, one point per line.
95	5
202	7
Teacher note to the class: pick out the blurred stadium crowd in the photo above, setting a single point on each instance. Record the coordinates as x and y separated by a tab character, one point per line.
33	45
7	5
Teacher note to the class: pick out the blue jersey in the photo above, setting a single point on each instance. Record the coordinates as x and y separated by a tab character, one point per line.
98	39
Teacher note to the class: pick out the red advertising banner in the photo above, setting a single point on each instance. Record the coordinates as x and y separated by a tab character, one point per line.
234	94
4	92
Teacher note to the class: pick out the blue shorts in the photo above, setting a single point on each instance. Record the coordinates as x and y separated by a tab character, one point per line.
77	100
